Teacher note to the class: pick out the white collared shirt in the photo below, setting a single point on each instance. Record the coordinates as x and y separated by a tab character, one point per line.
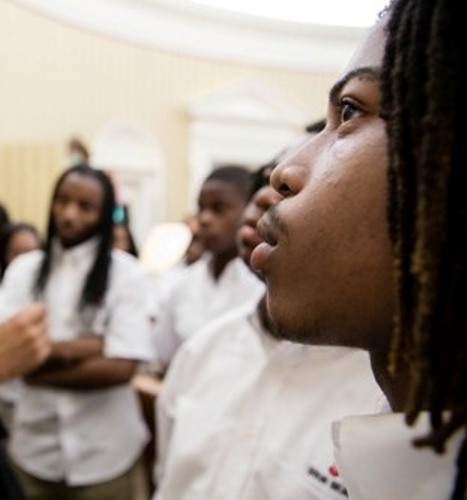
377	460
242	416
83	437
197	299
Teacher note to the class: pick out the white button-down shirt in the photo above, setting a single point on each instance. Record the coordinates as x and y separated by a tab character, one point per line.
83	437
377	460
197	299
245	417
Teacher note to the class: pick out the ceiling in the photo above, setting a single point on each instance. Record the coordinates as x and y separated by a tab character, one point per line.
217	32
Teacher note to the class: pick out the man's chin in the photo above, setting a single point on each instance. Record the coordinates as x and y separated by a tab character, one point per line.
71	241
289	329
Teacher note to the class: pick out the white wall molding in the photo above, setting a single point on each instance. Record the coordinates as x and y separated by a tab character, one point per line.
182	27
135	158
245	123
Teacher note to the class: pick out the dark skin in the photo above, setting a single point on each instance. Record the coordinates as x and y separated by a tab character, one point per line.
220	206
248	238
80	363
327	258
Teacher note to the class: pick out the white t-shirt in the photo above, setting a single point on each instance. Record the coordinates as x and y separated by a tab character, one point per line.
242	416
377	460
197	298
82	437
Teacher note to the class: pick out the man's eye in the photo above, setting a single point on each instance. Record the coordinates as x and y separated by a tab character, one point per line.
347	110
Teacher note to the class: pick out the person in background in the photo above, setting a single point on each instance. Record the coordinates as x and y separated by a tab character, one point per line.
15	239
367	249
24	345
218	281
77	151
4	215
195	248
123	238
77	430
253	399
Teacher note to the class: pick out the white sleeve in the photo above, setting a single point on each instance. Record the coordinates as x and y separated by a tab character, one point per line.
16	289
166	409
165	336
125	320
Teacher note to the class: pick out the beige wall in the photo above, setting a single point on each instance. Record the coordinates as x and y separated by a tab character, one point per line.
27	172
56	81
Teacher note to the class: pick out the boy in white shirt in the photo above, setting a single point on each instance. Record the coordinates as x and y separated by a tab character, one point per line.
219	281
77	430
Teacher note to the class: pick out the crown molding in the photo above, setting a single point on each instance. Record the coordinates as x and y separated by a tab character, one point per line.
182	27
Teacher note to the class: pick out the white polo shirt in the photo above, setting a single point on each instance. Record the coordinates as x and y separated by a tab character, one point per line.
197	298
377	460
90	436
245	417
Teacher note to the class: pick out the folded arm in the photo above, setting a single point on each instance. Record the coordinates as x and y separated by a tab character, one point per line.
80	364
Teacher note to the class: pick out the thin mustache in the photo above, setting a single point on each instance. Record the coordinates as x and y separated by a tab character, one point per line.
271	225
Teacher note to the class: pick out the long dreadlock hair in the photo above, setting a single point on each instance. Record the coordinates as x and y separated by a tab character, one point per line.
96	282
422	98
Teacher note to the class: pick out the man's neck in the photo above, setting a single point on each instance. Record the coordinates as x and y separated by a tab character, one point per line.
395	387
219	262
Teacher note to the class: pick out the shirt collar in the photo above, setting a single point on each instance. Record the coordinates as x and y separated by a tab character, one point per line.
78	252
374	453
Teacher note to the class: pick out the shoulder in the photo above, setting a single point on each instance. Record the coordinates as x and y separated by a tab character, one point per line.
125	264
26	262
185	280
221	331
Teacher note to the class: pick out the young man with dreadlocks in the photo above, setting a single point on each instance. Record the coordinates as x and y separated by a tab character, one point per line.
368	249
77	431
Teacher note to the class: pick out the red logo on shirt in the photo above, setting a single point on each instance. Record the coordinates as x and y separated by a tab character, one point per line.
333	471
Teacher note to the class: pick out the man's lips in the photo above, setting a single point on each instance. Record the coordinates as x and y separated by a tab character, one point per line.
266	231
262	254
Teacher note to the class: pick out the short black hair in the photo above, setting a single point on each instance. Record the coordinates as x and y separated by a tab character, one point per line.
236	175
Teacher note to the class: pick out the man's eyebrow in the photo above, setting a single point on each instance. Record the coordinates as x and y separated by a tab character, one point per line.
371	72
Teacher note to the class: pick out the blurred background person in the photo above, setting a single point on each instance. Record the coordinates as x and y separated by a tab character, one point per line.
4	215
219	280
24	345
77	430
77	152
123	238
196	247
15	239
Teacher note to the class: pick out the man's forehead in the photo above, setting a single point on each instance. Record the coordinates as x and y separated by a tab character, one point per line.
371	50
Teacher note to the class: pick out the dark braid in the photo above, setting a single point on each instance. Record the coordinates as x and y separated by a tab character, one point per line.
422	88
97	279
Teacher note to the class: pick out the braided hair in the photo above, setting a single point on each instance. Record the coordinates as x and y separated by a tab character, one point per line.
422	96
97	279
